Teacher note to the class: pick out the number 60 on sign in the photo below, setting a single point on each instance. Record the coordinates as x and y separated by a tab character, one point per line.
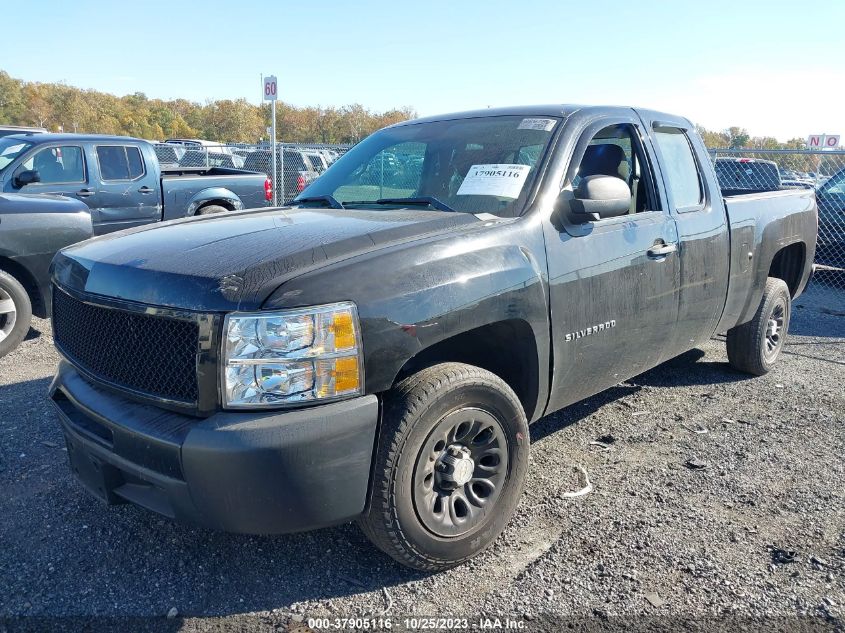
270	89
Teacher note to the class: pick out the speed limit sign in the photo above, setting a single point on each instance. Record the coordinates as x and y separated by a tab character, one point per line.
270	88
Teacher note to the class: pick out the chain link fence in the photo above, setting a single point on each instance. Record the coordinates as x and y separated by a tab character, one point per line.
754	170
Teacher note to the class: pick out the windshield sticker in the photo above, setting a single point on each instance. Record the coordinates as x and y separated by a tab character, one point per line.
537	124
494	180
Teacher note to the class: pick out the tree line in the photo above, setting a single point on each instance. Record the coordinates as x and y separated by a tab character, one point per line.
59	107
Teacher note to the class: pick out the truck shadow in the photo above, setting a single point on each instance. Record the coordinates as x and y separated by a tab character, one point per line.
685	370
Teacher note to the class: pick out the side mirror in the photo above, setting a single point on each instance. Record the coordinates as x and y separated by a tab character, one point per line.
601	197
27	177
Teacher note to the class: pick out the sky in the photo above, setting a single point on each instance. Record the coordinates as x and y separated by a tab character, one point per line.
774	67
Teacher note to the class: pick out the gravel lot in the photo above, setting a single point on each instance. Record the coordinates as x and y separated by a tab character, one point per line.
718	494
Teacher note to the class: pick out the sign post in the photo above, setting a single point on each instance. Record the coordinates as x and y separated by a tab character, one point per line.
270	94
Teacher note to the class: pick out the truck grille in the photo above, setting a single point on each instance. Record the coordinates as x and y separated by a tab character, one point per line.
153	355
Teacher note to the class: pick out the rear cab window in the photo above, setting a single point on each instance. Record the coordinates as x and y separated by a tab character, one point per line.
120	162
680	168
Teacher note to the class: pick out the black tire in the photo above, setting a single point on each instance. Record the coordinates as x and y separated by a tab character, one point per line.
211	209
754	347
13	325
418	411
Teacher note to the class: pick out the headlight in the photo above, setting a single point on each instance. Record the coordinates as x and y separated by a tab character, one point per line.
272	359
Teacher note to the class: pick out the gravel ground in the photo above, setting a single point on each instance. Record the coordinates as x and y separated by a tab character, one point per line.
717	494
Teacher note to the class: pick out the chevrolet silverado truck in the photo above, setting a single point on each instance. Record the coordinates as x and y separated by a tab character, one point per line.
32	229
376	350
120	179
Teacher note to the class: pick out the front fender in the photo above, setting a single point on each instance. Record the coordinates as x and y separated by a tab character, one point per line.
412	297
213	194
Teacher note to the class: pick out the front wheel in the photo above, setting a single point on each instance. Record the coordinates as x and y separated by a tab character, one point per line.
15	313
450	466
754	347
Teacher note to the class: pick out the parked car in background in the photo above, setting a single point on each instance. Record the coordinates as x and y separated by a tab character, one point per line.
207	158
796	184
121	180
8	130
317	159
294	170
212	146
329	154
747	175
377	350
169	154
32	229
831	199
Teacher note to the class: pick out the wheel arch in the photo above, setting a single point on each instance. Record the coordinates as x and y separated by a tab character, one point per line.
506	348
219	196
788	264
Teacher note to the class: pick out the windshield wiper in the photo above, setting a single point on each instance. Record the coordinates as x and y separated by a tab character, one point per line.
430	201
329	200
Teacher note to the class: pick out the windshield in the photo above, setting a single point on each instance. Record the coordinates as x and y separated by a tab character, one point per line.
480	165
10	149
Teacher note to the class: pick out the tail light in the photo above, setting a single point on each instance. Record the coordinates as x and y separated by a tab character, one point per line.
268	189
300	182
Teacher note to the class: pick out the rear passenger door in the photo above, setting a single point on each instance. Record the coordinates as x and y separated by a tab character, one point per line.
127	192
689	184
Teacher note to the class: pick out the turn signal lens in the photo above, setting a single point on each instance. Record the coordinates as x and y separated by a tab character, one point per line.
343	330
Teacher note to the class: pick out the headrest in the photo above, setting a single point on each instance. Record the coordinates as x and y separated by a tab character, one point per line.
602	159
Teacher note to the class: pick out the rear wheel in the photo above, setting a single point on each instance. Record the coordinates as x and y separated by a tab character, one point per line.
754	347
450	466
211	209
15	313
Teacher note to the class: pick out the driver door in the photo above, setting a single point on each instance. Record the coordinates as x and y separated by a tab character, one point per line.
613	281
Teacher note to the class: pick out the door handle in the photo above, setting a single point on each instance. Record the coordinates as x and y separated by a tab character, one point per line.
84	193
145	189
661	250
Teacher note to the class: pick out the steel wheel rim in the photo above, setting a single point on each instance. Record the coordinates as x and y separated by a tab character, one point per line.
448	511
774	330
8	314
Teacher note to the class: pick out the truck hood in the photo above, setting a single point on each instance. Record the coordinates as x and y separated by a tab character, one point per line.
39	203
234	261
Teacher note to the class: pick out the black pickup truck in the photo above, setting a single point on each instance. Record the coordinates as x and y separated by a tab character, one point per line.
32	229
120	179
377	349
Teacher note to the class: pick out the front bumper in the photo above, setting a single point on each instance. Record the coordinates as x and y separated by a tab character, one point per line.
260	472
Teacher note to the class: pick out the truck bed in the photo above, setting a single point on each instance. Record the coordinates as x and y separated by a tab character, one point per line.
175	171
761	223
182	186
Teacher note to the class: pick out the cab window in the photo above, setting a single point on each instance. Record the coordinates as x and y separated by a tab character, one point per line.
615	151
681	169
120	162
56	165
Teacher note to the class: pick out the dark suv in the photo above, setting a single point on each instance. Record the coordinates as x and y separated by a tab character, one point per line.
295	170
